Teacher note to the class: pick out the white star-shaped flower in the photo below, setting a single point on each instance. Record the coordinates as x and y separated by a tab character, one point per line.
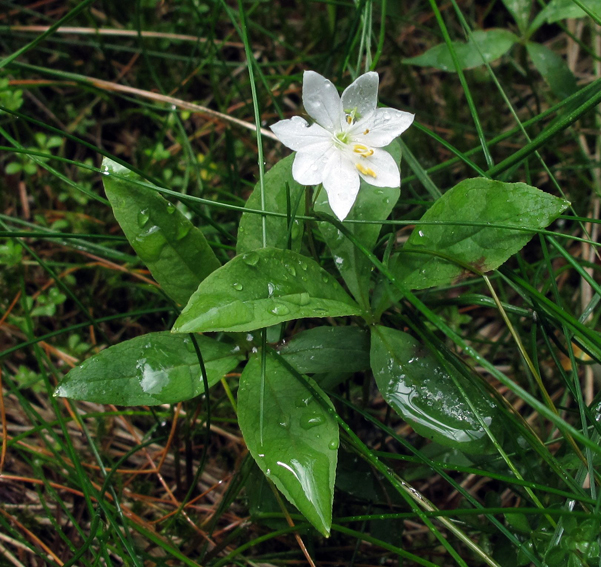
345	142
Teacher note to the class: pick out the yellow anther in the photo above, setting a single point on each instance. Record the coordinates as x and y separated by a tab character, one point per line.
362	150
349	119
366	170
366	131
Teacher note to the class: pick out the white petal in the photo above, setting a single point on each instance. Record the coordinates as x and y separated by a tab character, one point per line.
379	169
310	163
385	125
296	133
341	182
362	95
322	102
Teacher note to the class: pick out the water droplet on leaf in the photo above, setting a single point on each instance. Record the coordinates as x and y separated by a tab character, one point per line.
182	230
311	420
143	218
280	309
251	258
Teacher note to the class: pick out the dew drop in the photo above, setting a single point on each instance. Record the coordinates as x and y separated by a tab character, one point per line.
325	278
319	311
303	401
182	230
295	231
311	420
334	444
280	309
291	270
151	243
143	218
303	265
252	258
170	208
238	286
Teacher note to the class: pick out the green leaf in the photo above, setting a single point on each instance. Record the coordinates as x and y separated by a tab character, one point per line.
250	232
420	390
295	443
12	168
477	200
373	204
263	288
554	70
176	252
563	9
30	168
157	368
491	43
47	310
520	10
328	349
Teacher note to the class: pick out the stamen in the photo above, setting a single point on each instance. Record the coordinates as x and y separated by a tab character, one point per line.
366	170
349	119
362	150
366	131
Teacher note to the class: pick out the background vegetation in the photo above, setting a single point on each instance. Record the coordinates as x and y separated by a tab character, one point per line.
164	86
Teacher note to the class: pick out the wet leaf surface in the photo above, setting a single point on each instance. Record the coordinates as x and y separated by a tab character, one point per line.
484	248
176	252
263	288
295	443
157	368
420	390
328	349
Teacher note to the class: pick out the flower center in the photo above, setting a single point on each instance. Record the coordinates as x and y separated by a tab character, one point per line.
342	137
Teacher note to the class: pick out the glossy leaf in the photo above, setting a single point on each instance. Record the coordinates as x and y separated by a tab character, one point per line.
328	349
520	10
554	70
263	288
419	389
157	368
250	232
176	252
492	44
296	442
476	200
373	204
557	10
